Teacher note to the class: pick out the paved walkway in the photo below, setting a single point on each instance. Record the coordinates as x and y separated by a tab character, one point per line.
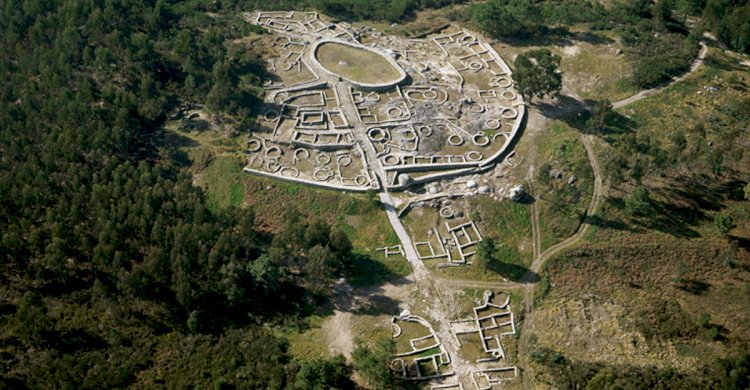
420	272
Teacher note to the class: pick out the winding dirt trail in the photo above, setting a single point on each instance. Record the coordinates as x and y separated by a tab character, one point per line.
649	92
596	201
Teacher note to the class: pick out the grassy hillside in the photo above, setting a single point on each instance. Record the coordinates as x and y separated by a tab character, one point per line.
663	293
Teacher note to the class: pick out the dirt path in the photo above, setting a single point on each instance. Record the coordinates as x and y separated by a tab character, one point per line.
338	332
538	263
477	283
649	92
596	201
337	329
598	194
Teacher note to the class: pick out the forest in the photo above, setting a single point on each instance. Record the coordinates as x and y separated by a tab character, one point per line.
115	272
111	258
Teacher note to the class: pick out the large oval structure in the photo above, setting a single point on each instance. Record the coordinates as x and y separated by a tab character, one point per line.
361	66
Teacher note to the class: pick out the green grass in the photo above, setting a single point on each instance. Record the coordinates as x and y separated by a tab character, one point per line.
309	343
363	220
712	123
293	190
597	72
356	64
219	173
561	206
429	352
591	70
508	222
222	181
372	269
509	225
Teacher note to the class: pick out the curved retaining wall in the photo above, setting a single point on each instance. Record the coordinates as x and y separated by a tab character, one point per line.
508	141
459	169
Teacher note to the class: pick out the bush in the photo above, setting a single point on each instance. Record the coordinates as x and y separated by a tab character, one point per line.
724	223
374	364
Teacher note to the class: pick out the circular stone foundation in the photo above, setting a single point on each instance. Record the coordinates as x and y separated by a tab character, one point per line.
391	117
363	67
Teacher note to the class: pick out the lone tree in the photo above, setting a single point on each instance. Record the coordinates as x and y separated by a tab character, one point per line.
486	251
536	74
601	115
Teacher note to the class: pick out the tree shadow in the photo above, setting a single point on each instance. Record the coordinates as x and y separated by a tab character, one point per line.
701	192
547	37
566	108
513	272
591	38
175	139
672	219
692	286
526	199
742	242
7	308
724	63
363	292
615	224
732	190
366	271
377	305
576	113
665	217
75	340
557	36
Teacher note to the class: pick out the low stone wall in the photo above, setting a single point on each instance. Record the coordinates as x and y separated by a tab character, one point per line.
310	182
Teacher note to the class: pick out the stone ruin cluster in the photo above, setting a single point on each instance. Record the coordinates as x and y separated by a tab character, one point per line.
451	112
446	116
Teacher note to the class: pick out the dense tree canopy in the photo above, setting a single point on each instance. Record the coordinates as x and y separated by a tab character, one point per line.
111	260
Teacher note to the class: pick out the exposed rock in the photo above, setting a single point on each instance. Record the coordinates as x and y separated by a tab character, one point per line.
471	184
572	180
517	193
404	179
484	190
